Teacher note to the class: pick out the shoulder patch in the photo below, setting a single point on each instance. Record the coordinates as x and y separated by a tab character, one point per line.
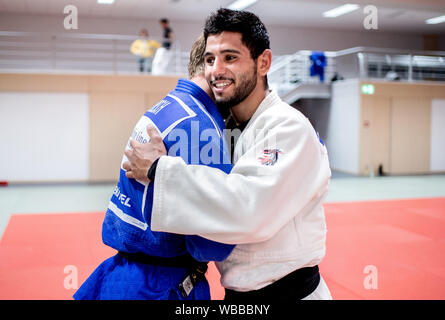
167	113
269	156
159	106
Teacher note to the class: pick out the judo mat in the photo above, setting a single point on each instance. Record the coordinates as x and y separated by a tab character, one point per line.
375	250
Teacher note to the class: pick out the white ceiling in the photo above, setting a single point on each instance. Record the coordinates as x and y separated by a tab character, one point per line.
404	16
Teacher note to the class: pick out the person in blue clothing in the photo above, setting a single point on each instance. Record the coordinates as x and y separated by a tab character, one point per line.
157	265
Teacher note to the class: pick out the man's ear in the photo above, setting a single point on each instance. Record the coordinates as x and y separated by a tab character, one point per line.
264	62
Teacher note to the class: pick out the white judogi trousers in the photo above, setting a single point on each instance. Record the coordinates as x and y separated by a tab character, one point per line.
321	293
160	61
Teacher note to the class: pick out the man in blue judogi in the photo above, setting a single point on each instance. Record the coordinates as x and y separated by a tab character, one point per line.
158	265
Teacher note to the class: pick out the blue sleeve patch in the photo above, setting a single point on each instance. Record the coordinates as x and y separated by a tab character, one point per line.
168	113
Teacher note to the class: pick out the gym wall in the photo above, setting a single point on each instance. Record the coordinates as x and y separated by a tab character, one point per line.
59	128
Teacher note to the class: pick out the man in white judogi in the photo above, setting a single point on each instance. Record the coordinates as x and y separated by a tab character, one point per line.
270	204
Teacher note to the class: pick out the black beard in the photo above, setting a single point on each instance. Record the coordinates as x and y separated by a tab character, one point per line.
224	109
242	91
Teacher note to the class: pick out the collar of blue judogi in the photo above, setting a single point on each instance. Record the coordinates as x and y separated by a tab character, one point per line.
192	88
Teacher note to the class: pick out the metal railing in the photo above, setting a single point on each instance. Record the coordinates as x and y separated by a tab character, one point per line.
76	52
291	71
109	53
392	64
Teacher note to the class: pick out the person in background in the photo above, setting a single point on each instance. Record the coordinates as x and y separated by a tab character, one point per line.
163	54
144	48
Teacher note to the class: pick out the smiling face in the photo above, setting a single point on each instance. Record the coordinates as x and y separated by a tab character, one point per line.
229	68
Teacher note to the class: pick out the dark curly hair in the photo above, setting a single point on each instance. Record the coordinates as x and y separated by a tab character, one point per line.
254	34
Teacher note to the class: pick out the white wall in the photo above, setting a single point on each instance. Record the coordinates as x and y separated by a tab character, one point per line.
284	40
44	136
343	133
437	159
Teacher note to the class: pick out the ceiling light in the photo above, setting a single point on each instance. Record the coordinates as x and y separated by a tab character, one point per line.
333	13
105	1
435	20
241	4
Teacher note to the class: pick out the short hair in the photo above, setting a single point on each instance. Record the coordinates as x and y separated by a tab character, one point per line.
254	34
164	20
196	62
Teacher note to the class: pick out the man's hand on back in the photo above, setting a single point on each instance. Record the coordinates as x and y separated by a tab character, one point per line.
143	155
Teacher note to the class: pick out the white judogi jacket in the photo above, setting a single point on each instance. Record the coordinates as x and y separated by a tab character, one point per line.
270	205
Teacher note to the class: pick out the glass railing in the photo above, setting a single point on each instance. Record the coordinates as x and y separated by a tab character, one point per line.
109	53
290	71
391	64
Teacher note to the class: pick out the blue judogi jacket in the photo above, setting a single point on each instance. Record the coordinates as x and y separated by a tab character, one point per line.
192	128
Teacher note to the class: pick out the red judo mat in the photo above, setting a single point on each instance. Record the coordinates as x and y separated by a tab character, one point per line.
375	250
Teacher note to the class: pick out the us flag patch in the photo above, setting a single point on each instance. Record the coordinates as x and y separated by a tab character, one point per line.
270	156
